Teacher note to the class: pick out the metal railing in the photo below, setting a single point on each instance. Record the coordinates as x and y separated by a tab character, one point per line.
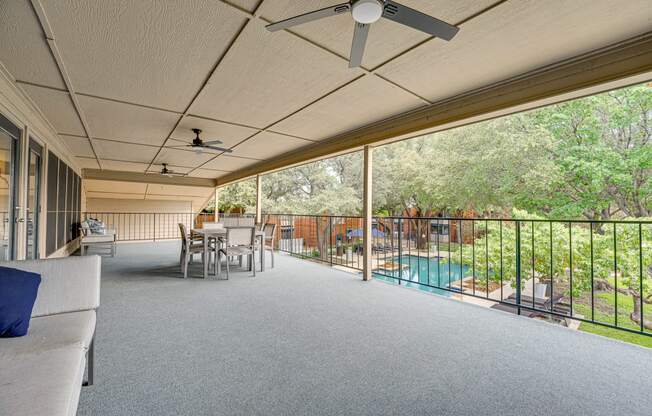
598	272
335	240
150	226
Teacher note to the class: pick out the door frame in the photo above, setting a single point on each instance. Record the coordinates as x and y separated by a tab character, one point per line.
33	146
15	193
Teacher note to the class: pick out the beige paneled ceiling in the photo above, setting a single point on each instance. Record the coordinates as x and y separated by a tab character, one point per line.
127	123
516	37
228	163
141	74
147	51
180	157
122	165
386	39
265	145
87	163
80	146
58	109
127	152
26	56
229	134
266	75
361	102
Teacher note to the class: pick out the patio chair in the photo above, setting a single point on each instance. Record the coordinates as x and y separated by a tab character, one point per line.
189	247
213	225
239	242
270	232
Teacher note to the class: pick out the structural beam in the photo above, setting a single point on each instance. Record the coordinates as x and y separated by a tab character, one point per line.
123	176
259	199
625	59
367	213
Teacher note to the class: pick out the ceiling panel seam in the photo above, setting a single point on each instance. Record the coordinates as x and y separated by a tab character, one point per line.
265	129
35	84
98	97
49	35
220	59
172	165
344	59
366	72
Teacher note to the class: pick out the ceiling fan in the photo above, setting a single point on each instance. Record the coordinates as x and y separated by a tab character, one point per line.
198	144
366	12
166	172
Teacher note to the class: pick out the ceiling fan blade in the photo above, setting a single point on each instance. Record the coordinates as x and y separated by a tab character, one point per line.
221	149
417	20
309	17
213	142
357	47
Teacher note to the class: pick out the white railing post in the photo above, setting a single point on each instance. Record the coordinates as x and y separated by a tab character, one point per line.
217	204
259	199
367	213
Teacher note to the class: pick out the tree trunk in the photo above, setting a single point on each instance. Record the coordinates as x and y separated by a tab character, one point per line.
323	236
636	314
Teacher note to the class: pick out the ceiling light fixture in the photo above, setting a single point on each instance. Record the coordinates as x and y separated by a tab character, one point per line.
367	11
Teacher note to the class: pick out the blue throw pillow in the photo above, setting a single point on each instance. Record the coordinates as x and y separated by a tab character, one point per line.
18	290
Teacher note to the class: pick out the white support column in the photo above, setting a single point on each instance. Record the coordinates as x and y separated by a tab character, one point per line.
367	213
259	199
217	204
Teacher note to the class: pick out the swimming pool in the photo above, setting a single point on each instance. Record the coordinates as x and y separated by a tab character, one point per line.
421	271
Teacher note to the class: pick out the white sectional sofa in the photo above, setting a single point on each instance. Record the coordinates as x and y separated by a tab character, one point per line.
42	372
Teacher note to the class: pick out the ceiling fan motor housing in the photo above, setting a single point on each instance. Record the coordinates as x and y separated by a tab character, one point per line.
367	11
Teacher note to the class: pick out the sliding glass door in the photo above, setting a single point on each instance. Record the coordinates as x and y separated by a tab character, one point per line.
33	209
9	209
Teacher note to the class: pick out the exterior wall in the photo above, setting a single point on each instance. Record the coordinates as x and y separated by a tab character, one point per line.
137	206
138	219
17	107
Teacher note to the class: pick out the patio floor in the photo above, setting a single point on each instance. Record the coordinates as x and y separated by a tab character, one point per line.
304	339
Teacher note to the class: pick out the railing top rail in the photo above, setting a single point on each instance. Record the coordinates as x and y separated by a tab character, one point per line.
561	221
315	215
404	217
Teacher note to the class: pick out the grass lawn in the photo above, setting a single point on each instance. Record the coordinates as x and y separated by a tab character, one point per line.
605	302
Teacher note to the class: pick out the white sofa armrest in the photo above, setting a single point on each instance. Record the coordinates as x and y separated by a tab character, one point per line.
68	284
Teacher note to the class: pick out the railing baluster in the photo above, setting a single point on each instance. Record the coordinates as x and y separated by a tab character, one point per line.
518	266
592	276
615	280
473	255
486	255
640	275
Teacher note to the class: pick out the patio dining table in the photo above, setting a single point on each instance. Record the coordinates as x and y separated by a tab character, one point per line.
219	233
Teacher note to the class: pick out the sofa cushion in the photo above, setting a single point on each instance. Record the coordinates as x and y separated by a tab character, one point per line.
68	284
43	383
50	333
18	290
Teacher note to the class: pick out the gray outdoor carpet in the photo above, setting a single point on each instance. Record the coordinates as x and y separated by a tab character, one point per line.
305	339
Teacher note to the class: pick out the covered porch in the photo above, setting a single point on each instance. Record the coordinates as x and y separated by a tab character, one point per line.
304	338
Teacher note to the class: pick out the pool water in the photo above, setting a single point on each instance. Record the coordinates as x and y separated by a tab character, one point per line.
421	271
